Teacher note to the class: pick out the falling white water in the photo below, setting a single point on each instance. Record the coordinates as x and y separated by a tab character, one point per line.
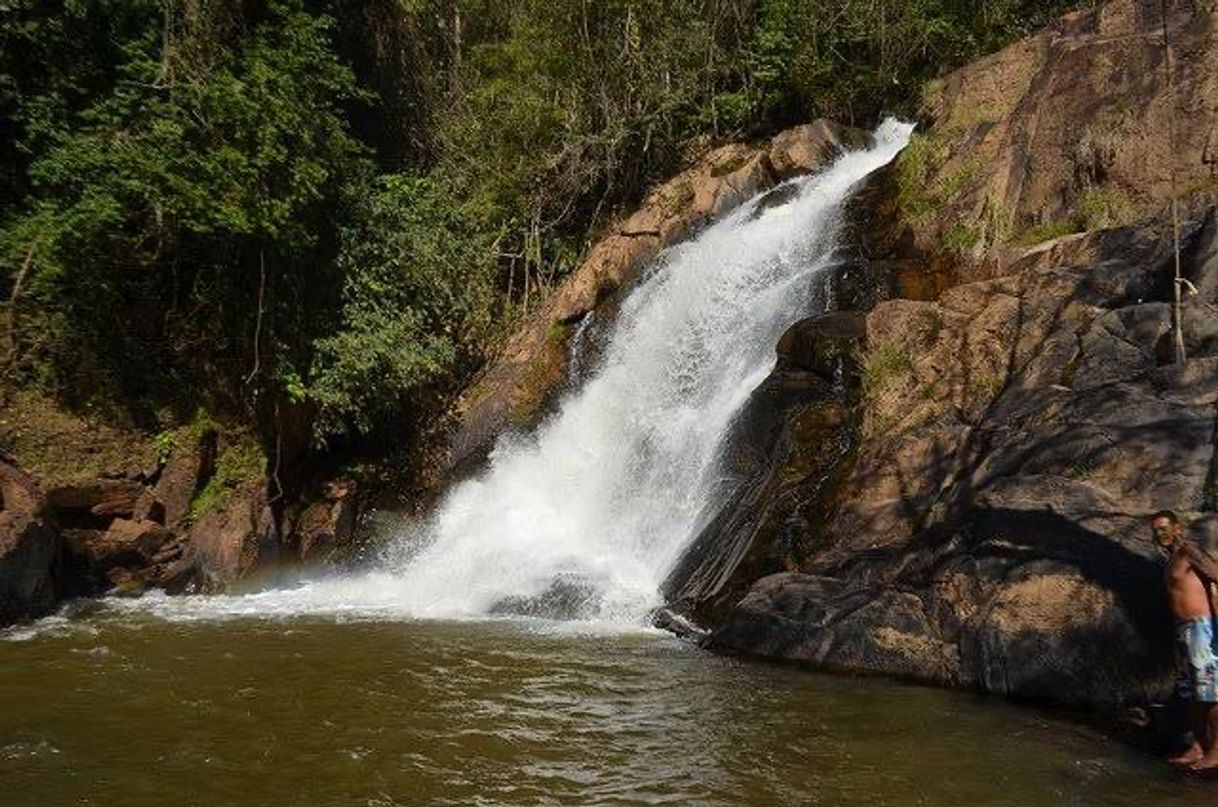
604	495
608	491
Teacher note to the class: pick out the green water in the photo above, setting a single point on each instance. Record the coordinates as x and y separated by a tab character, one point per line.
128	709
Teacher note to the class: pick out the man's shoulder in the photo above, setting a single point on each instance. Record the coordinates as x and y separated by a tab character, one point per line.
1188	549
1202	561
1190	545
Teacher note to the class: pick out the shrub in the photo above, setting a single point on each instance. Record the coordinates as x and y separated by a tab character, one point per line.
883	365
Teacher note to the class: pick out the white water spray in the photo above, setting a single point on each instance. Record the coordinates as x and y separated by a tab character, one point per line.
598	502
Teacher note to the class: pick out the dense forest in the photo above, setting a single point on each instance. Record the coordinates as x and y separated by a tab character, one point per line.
339	207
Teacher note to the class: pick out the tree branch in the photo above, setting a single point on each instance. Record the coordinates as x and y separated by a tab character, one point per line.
258	324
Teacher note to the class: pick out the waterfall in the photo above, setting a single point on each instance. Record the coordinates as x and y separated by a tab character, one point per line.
585	516
596	504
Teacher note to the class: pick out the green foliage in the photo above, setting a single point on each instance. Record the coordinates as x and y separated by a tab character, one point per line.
961	238
556	333
240	461
915	167
168	194
1046	232
415	302
343	205
1105	207
883	365
165	443
987	385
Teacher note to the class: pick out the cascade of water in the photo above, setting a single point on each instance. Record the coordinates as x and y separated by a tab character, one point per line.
603	496
586	515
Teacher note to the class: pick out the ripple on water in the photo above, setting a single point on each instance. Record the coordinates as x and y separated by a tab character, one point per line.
14	752
310	711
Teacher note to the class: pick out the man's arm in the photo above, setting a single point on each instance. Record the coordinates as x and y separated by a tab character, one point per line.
1201	561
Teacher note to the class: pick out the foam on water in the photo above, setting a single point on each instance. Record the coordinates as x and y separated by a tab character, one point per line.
594	506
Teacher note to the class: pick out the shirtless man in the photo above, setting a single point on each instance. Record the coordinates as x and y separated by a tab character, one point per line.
1189	575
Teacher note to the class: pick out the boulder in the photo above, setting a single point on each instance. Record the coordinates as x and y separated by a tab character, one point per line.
327	524
95	503
829	623
823	344
229	543
784	452
187	470
123	551
807	148
990	530
30	547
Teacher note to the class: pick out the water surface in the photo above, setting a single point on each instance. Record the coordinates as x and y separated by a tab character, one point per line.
128	708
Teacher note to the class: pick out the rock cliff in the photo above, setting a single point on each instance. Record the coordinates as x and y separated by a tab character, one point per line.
1017	413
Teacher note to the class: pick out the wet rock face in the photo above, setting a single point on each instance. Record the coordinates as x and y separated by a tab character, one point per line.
30	547
229	543
567	598
325	526
784	453
992	528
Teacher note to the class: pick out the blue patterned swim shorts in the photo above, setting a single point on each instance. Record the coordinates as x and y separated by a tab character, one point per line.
1197	660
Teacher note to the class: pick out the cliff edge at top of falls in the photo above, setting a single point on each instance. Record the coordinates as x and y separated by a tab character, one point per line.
983	522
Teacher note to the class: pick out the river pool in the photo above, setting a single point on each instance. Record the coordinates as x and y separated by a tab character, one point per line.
115	706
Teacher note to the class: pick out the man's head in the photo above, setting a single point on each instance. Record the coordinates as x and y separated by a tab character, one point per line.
1166	528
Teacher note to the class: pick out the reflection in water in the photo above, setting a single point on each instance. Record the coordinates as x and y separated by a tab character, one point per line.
123	709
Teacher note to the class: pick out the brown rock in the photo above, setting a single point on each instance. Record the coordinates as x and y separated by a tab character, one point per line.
148	508
327	524
124	550
989	528
1001	484
30	548
186	472
1068	127
143	539
820	344
96	501
228	544
806	148
819	620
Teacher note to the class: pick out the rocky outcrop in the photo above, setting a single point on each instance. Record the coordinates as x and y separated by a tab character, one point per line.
189	523
1017	413
96	500
229	543
514	388
119	555
786	450
30	547
185	472
1075	128
325	527
991	531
